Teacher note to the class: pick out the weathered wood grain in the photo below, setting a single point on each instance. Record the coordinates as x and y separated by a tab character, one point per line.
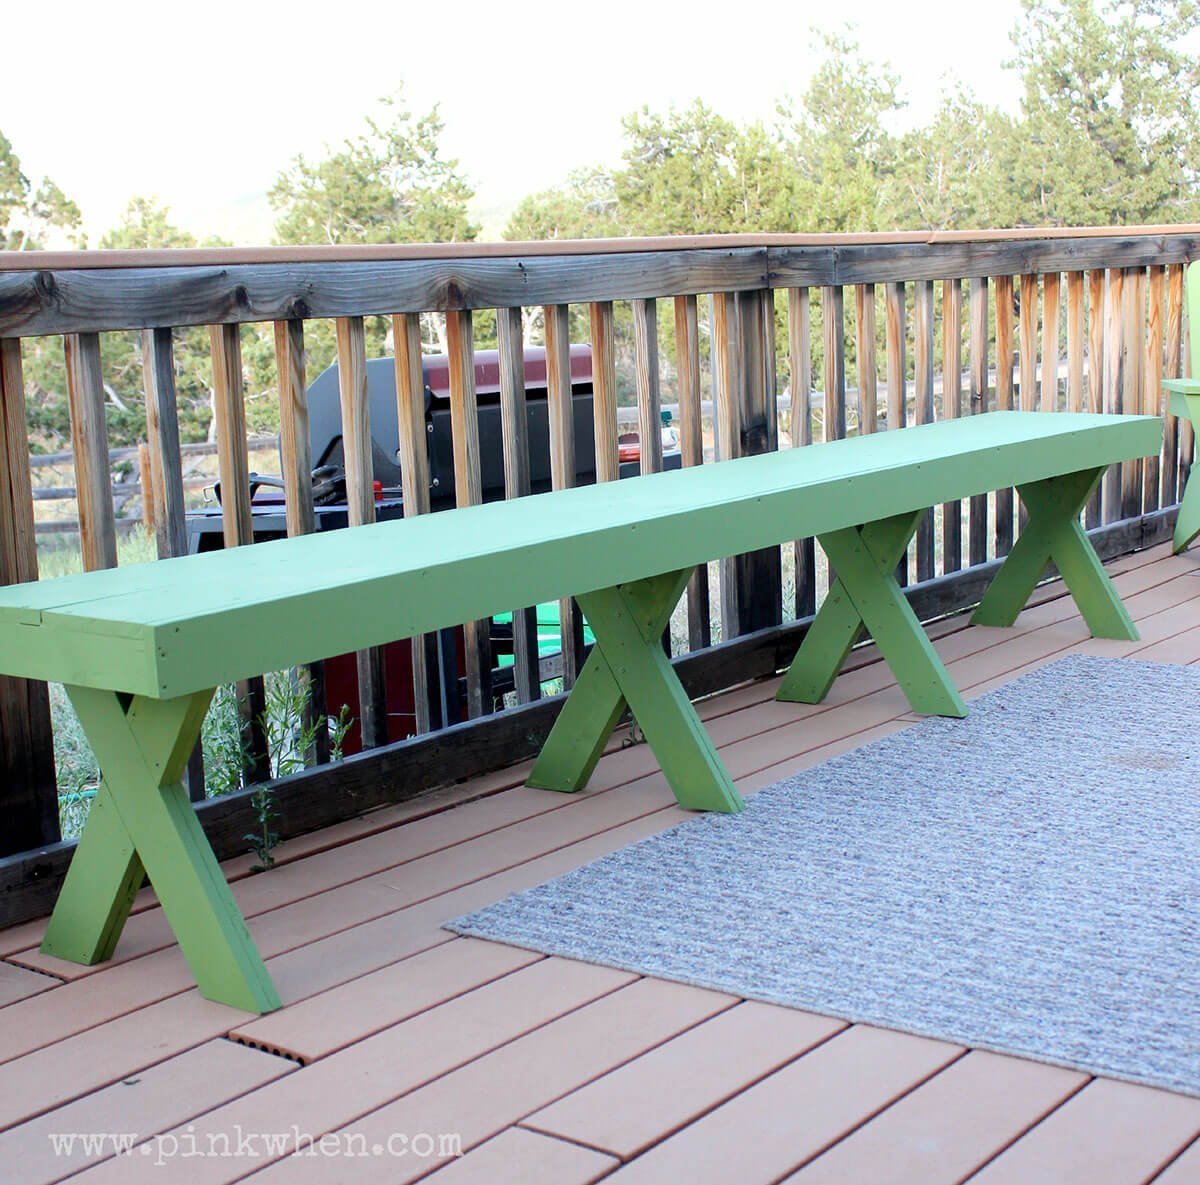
468	491
233	464
1050	337
1094	511
515	444
1172	369
977	527
1004	386
923	405
89	298
89	444
649	403
800	429
691	444
1152	371
864	344
562	465
360	507
295	452
1075	341
604	386
1114	381
951	409
28	793
897	374
414	481
1133	348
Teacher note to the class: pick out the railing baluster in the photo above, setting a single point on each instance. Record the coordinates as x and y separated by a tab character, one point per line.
800	380
229	422
951	409
295	450
1153	372
360	504
429	695
977	528
691	445
864	345
468	491
514	418
1050	306
562	464
1094	511
1114	384
1172	482
89	443
728	424
897	375
1004	391
1075	340
649	404
166	468
1133	349
604	388
29	792
760	574
923	405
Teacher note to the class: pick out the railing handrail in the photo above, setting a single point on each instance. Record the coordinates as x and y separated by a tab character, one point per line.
14	261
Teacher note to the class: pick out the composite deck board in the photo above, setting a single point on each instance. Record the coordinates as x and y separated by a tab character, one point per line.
494	1092
950	1126
18	983
163	1097
1110	1133
632	1108
796	1113
333	1019
360	953
433	1043
520	1157
1184	1169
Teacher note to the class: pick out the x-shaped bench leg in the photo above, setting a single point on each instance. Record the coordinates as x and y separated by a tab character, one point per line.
627	665
1053	535
867	596
142	820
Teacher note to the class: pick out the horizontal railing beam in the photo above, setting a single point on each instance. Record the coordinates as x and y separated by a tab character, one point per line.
90	297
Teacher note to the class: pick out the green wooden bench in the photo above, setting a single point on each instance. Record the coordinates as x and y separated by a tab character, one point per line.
140	649
1185	403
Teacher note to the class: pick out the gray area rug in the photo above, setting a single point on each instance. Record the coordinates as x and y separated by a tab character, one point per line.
1024	880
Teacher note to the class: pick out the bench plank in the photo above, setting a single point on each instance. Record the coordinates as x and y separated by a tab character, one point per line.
189	624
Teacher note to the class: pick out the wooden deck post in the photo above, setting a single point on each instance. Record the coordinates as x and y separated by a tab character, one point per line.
29	795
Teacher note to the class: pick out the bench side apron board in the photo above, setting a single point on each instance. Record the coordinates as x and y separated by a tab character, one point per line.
140	649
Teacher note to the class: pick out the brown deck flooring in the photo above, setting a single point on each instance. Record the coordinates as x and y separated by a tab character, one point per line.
550	1070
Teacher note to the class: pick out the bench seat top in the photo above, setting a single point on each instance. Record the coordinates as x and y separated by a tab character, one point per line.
181	625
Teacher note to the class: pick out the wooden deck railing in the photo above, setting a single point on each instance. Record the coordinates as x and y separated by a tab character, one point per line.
855	333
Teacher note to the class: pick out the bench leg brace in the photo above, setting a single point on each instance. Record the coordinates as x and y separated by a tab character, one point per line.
627	665
141	820
1053	535
867	596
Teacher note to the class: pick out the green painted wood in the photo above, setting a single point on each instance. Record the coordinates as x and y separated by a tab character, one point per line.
143	750
1054	535
620	619
839	625
596	704
867	595
186	624
103	878
1185	404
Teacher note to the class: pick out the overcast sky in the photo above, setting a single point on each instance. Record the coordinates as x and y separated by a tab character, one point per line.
202	103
